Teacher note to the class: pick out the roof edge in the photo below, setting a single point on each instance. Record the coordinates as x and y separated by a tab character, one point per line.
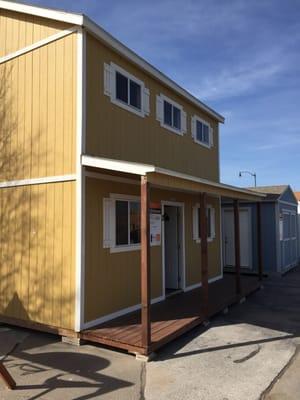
92	27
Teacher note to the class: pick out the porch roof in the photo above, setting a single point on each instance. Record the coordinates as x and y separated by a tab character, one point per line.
165	178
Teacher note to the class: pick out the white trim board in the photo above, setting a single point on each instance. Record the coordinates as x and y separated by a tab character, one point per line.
38	181
124	311
80	186
99	33
38	44
198	285
143	169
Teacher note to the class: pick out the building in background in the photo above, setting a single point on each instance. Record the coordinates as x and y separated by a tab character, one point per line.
280	234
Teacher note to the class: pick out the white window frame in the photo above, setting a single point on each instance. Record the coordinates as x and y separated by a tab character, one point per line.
116	68
180	131
196	231
126	247
194	120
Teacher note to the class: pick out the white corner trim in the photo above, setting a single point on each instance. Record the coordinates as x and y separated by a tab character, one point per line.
116	165
38	181
198	285
80	186
119	313
38	44
48	13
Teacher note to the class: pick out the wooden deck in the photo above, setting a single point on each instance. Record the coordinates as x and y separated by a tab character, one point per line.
170	318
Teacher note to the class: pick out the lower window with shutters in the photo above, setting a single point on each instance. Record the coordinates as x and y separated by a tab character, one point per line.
210	220
121	224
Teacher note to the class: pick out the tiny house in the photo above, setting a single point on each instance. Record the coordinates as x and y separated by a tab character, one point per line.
110	192
280	234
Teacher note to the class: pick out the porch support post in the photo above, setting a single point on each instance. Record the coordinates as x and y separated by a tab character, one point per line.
204	252
7	379
259	242
237	246
145	265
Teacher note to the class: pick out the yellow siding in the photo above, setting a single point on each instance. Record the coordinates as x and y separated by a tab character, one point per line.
37	274
38	96
18	30
112	280
37	139
116	133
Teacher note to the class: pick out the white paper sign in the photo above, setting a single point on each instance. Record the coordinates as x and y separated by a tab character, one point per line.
155	229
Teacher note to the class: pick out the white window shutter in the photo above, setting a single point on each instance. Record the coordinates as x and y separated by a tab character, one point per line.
195	223
183	122
193	127
107	223
213	223
211	136
159	109
146	101
108	77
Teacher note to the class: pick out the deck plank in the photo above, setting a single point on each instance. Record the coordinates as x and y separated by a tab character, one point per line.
170	318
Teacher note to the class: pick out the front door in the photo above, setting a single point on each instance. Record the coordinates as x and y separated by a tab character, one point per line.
245	238
172	246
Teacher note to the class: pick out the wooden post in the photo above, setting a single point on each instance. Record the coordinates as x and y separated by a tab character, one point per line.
237	246
204	252
145	265
7	379
259	242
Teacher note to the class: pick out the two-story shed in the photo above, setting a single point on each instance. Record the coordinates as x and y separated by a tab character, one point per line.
110	190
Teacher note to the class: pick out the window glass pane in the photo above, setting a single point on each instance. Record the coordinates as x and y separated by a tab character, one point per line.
135	222
135	95
199	131
121	222
176	118
199	223
167	113
205	134
209	222
121	87
286	226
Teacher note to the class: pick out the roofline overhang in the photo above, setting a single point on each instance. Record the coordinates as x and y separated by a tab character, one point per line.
85	22
145	169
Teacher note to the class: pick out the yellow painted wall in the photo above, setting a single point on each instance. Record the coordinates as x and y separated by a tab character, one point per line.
37	112
37	139
112	280
37	253
116	133
18	30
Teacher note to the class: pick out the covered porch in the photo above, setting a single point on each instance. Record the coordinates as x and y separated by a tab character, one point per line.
172	317
154	325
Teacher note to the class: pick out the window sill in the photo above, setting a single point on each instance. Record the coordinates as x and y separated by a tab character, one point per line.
207	146
170	128
126	107
123	249
209	240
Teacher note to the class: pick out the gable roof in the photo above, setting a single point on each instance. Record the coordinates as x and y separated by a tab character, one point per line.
85	22
297	195
272	193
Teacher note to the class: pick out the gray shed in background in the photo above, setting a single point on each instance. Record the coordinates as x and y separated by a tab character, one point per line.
279	226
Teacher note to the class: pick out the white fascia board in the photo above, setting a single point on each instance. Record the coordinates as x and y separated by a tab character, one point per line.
96	30
116	165
58	15
206	182
101	34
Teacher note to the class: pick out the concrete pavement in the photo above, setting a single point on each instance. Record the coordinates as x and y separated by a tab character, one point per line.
248	354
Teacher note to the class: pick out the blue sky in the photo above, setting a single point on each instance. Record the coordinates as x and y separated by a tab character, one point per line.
241	57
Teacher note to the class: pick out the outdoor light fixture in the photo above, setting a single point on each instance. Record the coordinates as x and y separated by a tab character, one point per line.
250	173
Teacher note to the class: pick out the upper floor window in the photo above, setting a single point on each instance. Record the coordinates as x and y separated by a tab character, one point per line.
126	90
170	114
202	132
